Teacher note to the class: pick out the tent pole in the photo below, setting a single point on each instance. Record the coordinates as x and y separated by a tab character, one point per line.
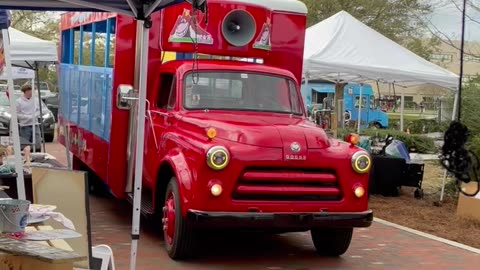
394	98
14	121
402	108
42	129
137	191
360	103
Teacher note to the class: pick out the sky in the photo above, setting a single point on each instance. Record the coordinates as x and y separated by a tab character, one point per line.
448	19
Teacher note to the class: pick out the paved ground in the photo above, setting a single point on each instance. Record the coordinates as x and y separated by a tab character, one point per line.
377	247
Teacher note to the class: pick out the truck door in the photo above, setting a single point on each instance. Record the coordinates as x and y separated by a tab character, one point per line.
161	119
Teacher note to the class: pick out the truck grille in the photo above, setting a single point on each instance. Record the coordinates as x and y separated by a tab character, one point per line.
287	185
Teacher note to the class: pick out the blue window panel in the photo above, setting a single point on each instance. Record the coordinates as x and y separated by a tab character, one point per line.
86	97
75	93
97	106
108	105
84	94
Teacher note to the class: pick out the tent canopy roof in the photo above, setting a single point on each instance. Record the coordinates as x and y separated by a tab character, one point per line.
25	50
126	7
341	48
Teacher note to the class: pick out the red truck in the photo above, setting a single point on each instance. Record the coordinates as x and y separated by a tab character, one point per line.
227	141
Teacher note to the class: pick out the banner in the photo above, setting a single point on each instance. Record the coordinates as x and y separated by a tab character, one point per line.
5	20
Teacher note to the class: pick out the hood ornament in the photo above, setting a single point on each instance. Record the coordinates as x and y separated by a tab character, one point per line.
295	147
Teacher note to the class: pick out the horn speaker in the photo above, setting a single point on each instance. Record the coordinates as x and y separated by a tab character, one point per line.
238	28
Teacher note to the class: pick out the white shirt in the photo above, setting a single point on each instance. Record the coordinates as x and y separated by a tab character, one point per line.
27	110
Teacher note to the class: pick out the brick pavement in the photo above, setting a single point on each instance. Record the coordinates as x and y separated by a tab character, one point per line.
377	247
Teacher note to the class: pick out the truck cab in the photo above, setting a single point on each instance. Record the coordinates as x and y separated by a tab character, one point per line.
229	146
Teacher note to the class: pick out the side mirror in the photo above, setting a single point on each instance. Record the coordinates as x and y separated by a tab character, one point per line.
125	93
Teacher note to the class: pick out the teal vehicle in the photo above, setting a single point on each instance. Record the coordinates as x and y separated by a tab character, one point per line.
319	95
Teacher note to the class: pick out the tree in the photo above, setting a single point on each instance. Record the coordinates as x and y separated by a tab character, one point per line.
399	20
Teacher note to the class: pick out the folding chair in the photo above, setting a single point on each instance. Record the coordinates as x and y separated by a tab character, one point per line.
104	254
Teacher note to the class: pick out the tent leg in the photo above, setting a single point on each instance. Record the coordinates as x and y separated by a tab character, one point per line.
42	129
137	191
402	108
360	104
14	121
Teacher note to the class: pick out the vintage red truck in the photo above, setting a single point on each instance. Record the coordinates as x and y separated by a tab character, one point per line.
227	141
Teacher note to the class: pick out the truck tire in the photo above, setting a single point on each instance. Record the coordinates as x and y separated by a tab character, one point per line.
178	234
332	242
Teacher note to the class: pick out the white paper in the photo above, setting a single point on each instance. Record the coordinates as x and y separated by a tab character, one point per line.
50	235
44	211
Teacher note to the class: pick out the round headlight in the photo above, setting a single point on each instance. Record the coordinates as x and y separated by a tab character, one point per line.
217	157
361	162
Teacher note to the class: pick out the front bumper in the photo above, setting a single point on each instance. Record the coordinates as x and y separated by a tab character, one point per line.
279	221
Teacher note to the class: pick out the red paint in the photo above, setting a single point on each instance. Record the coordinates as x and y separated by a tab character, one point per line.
74	19
287	36
259	143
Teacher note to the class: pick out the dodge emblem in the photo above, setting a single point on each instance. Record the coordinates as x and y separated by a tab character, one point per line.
295	147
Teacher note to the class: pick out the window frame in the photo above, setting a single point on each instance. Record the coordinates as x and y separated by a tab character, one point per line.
290	81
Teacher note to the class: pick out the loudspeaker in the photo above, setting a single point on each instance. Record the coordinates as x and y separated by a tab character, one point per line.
238	28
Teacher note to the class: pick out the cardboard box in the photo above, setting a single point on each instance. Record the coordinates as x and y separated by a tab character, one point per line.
469	207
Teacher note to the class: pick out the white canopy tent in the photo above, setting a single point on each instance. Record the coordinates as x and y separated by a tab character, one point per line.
26	51
141	11
341	48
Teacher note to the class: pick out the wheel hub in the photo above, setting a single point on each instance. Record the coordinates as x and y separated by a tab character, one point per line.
168	219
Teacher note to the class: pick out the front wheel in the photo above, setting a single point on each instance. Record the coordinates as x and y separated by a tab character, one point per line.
178	235
332	242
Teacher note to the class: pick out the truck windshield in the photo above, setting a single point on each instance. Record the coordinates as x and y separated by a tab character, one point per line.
241	91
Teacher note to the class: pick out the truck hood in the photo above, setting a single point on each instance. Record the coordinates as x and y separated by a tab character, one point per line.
264	130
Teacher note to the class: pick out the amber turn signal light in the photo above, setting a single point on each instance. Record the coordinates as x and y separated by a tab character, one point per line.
353	138
211	133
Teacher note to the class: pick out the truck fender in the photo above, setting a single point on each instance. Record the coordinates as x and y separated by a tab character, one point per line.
174	164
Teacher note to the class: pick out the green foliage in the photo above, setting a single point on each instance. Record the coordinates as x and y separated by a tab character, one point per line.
400	21
418	143
421	126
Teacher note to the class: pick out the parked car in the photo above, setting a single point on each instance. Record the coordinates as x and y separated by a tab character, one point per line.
5	116
52	103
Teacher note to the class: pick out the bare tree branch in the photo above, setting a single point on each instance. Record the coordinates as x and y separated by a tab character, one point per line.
466	15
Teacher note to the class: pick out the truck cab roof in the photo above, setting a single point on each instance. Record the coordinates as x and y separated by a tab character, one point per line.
184	66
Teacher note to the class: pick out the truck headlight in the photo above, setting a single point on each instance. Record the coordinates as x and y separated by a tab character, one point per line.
361	162
218	157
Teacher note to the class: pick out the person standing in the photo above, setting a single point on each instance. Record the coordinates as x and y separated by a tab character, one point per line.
27	111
